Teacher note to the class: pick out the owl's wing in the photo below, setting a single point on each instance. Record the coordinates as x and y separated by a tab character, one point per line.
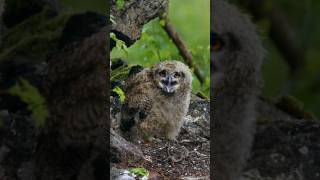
138	101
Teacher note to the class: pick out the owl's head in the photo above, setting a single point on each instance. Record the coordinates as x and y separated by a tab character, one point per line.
236	49
172	76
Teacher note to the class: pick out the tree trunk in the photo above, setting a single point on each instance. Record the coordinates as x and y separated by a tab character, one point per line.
130	18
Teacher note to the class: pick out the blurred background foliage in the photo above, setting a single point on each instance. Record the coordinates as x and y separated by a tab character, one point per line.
303	20
192	21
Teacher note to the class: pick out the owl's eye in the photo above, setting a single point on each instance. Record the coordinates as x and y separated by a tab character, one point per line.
163	73
216	42
177	75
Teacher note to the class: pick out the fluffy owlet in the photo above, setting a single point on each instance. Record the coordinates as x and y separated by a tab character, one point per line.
157	100
236	58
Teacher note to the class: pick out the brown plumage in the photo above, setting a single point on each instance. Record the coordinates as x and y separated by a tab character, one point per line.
157	100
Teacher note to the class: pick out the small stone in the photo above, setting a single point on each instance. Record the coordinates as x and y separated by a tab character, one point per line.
4	114
125	177
304	150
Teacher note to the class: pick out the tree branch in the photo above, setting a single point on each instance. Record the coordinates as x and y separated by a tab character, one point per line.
280	33
183	50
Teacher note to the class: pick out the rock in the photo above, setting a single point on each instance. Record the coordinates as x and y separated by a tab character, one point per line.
120	174
4	114
196	178
286	148
25	172
198	118
124	174
304	150
123	150
18	141
155	176
4	150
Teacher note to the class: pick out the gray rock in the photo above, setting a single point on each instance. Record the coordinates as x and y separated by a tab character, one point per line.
120	174
4	150
123	150
198	118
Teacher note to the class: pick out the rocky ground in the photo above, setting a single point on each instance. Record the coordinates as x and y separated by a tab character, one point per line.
284	149
187	157
286	146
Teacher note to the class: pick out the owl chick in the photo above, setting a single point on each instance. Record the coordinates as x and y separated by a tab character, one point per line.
157	100
237	54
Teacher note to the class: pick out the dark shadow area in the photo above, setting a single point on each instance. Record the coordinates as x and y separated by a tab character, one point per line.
53	90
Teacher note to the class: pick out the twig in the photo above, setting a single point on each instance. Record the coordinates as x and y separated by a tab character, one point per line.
202	95
183	156
183	50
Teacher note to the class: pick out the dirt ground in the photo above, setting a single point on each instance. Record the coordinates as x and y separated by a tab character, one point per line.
188	156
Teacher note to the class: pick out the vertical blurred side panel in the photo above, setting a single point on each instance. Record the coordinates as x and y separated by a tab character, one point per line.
75	142
236	58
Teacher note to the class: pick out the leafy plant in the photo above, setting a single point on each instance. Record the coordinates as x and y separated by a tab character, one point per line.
120	92
32	97
120	45
139	171
120	4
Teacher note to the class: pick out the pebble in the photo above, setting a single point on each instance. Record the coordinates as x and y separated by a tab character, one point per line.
304	150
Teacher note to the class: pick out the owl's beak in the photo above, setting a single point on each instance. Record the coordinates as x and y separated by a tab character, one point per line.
169	84
169	89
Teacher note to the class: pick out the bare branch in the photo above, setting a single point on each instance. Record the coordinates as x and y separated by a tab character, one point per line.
182	47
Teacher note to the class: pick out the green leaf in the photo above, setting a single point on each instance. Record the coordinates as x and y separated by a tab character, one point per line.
120	92
139	171
120	4
32	97
162	22
113	36
120	45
